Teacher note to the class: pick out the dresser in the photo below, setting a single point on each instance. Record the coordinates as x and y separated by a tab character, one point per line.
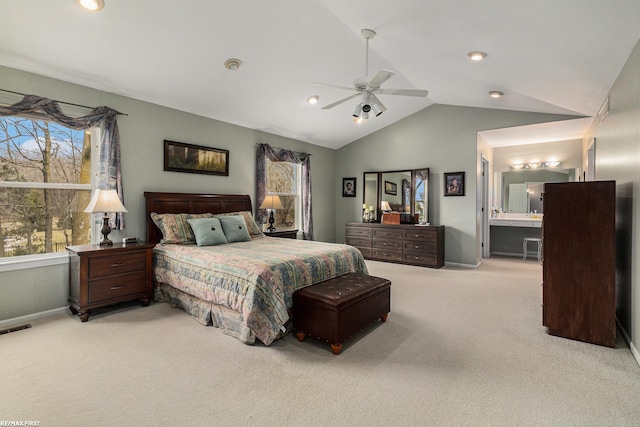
401	243
579	265
104	275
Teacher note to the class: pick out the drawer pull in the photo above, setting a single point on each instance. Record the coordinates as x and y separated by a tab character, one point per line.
118	264
416	246
115	288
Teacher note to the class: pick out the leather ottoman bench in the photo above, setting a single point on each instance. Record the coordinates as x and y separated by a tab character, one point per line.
338	308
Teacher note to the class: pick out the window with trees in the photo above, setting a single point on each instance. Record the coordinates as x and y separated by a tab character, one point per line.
283	180
45	184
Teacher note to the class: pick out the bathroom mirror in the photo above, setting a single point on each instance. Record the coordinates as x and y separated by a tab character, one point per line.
406	192
521	191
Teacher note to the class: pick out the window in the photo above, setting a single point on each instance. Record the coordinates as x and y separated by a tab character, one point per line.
283	180
45	184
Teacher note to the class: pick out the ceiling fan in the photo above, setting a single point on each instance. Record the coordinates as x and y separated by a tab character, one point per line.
369	88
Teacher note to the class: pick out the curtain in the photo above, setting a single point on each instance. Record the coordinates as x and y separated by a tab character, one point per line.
265	151
109	174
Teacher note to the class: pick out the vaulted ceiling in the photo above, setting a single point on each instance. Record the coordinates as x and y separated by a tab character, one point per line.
544	55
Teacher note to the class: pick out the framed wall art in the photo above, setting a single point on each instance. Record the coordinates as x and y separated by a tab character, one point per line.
454	184
181	157
348	187
390	188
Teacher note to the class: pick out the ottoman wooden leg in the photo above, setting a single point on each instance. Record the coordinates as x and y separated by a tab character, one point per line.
301	336
336	348
384	317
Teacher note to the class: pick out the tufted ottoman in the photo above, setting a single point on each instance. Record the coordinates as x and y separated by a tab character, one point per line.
338	308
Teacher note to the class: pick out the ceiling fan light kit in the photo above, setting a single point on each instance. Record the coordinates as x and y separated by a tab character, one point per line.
367	88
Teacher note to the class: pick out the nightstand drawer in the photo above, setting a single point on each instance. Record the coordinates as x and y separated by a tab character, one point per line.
115	287
116	264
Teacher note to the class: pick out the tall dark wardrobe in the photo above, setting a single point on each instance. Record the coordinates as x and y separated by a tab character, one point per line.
579	261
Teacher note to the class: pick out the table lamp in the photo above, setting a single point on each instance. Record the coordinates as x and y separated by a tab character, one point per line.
385	206
271	203
106	201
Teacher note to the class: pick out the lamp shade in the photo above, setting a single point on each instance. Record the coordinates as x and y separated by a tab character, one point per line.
271	202
105	201
385	206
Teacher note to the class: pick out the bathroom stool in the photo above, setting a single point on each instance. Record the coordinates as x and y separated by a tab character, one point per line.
525	243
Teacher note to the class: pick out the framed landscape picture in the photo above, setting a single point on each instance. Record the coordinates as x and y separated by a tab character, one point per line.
390	188
181	157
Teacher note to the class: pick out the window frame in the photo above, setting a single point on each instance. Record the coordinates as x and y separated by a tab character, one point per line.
19	262
298	194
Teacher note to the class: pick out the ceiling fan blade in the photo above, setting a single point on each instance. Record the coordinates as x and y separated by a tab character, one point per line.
330	85
326	107
381	77
403	92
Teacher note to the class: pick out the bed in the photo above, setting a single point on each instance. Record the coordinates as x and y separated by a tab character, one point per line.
243	288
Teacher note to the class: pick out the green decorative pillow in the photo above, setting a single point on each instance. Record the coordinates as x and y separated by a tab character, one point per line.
235	228
175	228
208	231
252	227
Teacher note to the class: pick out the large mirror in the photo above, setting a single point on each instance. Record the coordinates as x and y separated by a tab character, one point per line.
521	191
405	192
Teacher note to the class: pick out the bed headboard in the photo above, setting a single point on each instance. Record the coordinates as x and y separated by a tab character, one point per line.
190	203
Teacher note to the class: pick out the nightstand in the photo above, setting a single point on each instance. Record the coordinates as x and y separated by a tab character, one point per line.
104	275
285	234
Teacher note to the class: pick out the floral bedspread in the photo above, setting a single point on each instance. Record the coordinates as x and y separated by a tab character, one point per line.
252	283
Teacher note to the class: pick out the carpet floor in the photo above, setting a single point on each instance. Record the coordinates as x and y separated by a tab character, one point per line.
460	347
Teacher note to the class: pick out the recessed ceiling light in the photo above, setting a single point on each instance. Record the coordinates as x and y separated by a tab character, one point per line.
496	94
477	56
92	5
232	64
313	99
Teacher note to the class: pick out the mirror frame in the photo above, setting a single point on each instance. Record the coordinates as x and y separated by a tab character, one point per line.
412	196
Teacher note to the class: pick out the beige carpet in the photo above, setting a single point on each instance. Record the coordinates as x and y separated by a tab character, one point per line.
460	347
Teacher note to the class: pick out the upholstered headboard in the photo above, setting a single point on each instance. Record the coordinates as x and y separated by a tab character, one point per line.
190	203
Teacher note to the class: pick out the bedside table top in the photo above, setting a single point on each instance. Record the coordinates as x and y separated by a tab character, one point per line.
116	246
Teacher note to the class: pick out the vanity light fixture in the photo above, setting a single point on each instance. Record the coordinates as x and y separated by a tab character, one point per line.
496	93
517	166
313	99
477	55
534	165
552	165
92	5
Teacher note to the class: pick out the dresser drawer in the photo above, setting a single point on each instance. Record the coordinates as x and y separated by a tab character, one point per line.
360	242
386	254
116	264
420	246
421	234
359	232
387	244
116	287
420	258
366	252
386	233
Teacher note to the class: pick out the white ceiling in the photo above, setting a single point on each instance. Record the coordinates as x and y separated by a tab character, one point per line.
545	55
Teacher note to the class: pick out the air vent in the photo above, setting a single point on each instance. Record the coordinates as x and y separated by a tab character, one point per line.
14	329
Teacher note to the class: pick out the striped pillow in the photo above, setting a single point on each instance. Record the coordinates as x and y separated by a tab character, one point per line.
175	228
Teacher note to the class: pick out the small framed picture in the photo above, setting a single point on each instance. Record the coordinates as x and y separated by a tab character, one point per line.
390	188
454	184
348	187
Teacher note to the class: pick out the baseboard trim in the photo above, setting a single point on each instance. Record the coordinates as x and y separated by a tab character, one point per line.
458	264
627	339
29	317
